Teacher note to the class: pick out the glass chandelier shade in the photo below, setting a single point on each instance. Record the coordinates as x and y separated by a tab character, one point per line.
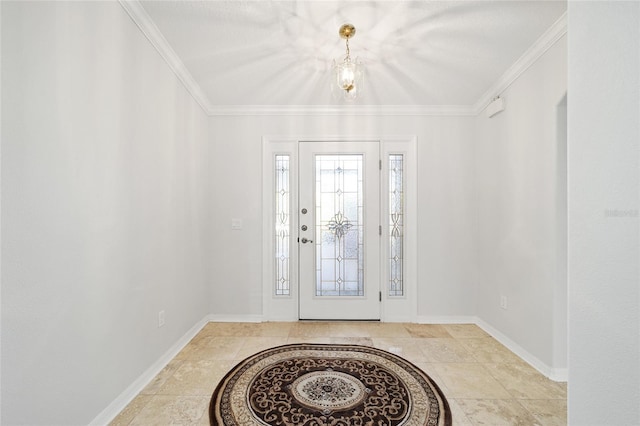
348	72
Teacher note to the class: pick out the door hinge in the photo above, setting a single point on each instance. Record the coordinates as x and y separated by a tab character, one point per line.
380	164
380	296
380	229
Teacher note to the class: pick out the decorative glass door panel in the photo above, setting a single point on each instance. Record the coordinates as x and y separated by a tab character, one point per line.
338	219
339	225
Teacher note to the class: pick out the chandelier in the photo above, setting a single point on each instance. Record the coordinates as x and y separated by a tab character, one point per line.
348	72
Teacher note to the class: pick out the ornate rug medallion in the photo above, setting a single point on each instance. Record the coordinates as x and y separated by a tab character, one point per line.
328	390
338	385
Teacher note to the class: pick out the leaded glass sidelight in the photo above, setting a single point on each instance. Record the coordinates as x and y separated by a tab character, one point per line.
282	225
396	225
339	225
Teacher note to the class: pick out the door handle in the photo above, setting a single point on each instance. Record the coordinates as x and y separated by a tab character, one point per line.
305	240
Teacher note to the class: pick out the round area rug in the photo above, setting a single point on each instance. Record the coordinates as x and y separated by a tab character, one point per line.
337	385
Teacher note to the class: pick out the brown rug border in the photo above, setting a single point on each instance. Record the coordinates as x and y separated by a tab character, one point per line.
445	403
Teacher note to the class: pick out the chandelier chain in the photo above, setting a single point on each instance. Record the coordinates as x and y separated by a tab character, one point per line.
348	51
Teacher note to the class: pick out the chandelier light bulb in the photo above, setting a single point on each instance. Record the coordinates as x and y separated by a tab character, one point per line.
347	77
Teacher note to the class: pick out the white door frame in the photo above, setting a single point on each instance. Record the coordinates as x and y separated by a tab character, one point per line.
285	307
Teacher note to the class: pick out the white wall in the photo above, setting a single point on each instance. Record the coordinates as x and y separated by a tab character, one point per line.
446	271
604	249
107	216
516	175
104	209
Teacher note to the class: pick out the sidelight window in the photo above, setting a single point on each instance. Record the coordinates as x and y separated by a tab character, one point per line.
396	225
282	225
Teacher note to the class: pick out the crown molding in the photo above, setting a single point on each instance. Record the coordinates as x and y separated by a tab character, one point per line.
544	43
329	110
144	22
141	18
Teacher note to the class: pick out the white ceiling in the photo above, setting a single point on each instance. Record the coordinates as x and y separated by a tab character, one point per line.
279	53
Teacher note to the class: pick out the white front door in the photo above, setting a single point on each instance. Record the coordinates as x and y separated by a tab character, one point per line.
338	230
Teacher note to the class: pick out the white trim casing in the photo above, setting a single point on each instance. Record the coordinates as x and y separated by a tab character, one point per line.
142	19
555	374
235	318
544	43
278	308
285	308
340	110
117	405
401	308
444	319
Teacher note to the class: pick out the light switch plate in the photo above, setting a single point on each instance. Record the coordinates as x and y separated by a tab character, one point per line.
236	224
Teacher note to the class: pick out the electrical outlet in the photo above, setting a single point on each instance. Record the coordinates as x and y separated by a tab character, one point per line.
503	302
160	319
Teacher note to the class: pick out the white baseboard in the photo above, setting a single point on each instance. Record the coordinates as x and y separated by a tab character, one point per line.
555	374
118	404
234	318
281	318
397	318
109	413
447	320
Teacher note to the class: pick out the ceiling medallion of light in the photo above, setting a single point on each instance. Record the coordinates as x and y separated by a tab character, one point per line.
348	72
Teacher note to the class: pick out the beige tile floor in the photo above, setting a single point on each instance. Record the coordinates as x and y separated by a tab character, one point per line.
484	382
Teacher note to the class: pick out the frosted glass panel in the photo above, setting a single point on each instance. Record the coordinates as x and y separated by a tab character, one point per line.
396	225
339	225
282	225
